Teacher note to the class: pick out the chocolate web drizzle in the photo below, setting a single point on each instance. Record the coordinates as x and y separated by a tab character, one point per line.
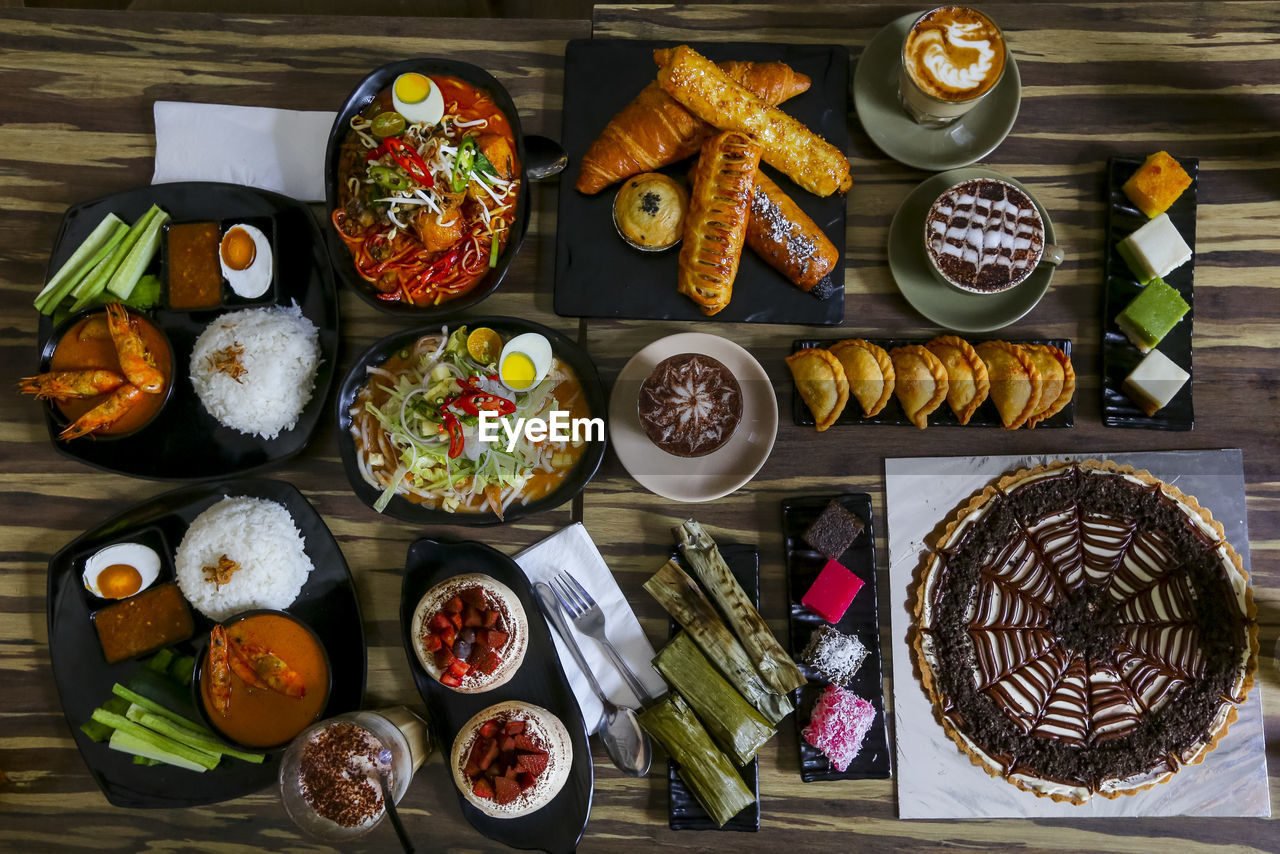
1084	630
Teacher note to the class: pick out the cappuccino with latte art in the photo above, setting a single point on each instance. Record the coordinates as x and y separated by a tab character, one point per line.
952	57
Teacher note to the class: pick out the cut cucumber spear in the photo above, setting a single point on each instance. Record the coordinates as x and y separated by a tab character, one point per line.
101	242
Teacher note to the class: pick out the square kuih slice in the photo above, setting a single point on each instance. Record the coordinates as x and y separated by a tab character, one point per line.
832	591
1151	314
833	531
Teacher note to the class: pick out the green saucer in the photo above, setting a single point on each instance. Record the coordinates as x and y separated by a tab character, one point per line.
942	304
966	140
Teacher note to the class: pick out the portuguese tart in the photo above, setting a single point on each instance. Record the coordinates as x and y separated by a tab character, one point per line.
821	382
1084	629
1015	381
920	382
967	384
470	633
511	759
1058	379
869	371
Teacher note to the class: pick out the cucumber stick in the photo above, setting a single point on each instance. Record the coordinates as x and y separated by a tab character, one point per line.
139	257
155	708
201	740
126	742
80	262
95	283
161	746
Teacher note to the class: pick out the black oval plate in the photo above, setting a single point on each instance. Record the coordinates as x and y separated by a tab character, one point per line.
327	604
364	93
540	680
407	511
184	442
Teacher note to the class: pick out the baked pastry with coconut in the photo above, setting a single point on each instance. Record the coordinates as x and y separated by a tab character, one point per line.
470	633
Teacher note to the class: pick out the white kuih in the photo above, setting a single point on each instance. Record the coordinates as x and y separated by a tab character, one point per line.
278	350
257	534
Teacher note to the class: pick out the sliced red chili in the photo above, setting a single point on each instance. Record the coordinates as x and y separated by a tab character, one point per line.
456	438
409	160
474	402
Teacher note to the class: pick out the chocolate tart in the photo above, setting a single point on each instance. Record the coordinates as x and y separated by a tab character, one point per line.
542	738
496	607
1084	629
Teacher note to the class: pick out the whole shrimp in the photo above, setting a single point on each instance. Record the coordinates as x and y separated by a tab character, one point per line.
136	363
104	414
66	385
264	669
220	670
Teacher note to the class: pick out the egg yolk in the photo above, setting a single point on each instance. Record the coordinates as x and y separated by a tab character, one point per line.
119	580
518	371
412	88
238	249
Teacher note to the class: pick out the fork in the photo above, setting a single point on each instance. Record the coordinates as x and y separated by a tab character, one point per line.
588	617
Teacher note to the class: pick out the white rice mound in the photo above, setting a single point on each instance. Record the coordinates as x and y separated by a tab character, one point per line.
255	533
281	354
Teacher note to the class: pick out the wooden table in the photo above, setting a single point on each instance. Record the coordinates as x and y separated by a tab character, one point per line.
1198	78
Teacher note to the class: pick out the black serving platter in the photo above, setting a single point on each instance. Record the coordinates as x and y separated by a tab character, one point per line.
892	414
598	275
683	811
558	826
184	442
407	511
539	158
862	619
327	605
1119	356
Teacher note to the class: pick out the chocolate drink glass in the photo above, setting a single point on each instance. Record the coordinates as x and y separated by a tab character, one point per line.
985	236
952	58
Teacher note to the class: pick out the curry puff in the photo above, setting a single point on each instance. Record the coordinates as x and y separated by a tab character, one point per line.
967	383
920	382
1015	381
1058	380
869	371
822	384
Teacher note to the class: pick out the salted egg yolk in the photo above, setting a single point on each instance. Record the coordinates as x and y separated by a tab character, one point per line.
412	87
119	580
518	370
238	249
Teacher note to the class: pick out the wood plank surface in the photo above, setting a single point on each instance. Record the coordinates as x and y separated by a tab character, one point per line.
75	123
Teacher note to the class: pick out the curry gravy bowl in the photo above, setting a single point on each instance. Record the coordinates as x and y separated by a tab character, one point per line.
261	709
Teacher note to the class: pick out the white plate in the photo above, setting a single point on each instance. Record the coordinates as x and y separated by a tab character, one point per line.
698	478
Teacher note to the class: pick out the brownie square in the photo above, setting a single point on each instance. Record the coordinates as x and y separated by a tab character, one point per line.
833	531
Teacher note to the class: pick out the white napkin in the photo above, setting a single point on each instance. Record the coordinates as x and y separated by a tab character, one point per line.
572	551
278	150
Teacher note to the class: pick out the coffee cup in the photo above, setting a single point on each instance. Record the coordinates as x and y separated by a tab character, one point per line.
952	58
985	236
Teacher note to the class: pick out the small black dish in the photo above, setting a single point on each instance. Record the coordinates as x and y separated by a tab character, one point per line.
892	414
873	762
1119	356
539	158
202	659
151	537
684	812
228	299
407	511
558	826
327	604
601	77
184	442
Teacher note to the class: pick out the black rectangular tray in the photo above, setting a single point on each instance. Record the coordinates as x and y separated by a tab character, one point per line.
873	762
892	414
684	812
1119	356
598	275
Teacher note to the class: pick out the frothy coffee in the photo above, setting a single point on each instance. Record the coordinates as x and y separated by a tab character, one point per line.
984	235
954	53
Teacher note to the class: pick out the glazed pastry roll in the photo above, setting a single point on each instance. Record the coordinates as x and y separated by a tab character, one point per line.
785	236
654	130
789	146
716	225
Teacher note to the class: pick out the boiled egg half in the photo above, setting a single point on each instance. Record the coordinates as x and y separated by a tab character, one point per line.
417	98
525	361
121	570
245	256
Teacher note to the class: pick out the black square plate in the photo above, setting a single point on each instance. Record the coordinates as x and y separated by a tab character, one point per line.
598	275
1119	356
862	619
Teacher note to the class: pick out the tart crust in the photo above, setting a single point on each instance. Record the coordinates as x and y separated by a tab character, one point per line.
512	652
971	512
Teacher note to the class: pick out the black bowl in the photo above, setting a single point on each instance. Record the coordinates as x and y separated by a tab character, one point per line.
547	159
202	656
408	511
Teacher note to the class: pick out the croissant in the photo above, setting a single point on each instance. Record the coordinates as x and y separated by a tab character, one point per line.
788	145
655	131
716	225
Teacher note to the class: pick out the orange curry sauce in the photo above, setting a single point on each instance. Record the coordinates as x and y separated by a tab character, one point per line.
87	346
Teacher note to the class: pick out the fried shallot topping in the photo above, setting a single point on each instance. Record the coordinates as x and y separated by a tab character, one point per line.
227	361
221	574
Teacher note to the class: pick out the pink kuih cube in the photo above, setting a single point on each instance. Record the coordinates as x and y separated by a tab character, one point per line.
839	724
832	591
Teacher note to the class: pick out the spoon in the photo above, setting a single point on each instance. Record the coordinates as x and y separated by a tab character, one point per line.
625	742
384	766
